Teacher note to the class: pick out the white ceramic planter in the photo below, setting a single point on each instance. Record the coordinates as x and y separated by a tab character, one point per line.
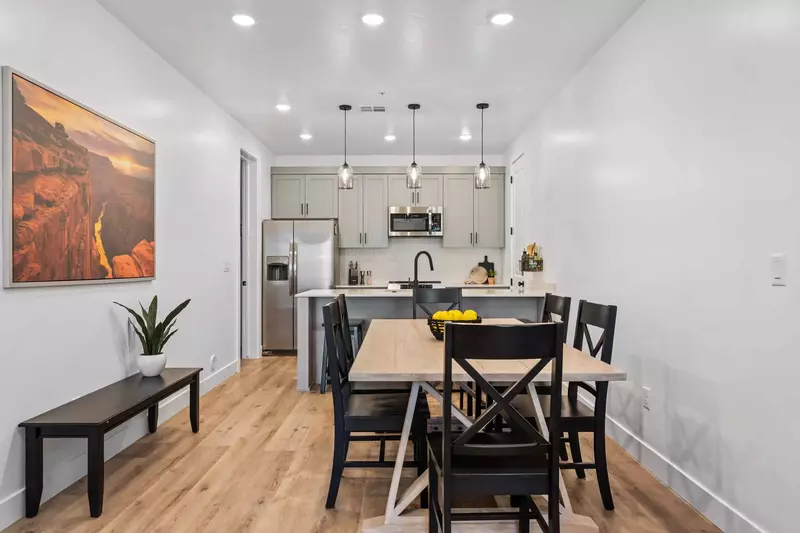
152	365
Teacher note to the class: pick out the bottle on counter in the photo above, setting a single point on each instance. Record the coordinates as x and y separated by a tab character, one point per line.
369	277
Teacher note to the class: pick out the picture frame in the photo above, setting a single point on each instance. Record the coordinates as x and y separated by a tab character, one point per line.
105	165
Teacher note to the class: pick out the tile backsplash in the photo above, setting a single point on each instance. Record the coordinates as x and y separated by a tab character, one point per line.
451	265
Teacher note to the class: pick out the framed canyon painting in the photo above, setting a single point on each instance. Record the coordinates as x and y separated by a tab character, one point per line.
78	191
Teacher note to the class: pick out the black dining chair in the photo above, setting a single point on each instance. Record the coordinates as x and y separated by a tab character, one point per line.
422	297
554	305
374	417
576	416
355	329
520	462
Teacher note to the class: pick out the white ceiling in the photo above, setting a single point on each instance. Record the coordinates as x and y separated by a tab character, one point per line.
316	54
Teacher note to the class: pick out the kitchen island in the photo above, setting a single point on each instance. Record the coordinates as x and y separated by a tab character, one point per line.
371	303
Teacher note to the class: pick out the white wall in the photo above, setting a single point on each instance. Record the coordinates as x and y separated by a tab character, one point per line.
666	173
60	343
386	160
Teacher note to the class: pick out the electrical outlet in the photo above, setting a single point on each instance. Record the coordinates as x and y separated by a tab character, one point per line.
646	398
213	362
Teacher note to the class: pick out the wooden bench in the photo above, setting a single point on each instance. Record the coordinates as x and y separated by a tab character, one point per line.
90	417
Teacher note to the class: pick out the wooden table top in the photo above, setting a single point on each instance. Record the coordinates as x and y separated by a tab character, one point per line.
405	350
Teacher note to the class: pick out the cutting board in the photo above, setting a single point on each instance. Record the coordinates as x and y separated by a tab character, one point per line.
486	264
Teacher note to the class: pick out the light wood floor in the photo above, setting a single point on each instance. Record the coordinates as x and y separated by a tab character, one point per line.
261	463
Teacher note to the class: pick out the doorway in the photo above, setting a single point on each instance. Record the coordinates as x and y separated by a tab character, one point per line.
246	279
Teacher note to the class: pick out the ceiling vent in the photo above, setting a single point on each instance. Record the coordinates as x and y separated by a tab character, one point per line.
372	109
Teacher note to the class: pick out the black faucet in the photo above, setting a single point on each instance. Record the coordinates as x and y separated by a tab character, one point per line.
416	266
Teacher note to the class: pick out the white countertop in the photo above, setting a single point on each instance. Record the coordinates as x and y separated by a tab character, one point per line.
383	293
382	286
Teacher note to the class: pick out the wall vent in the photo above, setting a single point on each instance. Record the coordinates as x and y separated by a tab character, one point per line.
372	109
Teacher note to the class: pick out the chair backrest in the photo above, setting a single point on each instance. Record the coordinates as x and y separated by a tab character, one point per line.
472	342
421	296
337	365
349	353
559	306
603	317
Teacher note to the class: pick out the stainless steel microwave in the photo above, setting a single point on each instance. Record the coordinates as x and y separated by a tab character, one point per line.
415	221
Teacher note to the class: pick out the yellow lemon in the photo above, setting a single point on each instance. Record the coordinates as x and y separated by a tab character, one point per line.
455	314
440	315
469	314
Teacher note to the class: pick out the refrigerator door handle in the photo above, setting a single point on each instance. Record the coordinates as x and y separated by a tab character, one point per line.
292	269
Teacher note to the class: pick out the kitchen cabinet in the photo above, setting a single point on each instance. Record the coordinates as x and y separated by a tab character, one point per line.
430	194
489	209
311	196
376	212
351	215
288	196
473	218
363	213
321	197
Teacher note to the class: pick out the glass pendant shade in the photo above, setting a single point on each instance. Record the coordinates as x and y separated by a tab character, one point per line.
345	174
483	176
414	176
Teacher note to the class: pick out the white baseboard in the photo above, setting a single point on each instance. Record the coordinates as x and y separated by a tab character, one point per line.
64	474
709	504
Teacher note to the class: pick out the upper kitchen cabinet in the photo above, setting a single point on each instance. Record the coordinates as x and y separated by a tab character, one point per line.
321	197
473	218
288	196
364	213
430	194
312	196
376	212
490	215
351	216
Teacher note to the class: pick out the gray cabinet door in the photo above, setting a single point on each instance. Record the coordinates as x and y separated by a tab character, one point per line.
399	194
288	197
321	197
490	215
351	213
430	195
376	212
457	223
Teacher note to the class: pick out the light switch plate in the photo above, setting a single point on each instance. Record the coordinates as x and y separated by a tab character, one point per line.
778	270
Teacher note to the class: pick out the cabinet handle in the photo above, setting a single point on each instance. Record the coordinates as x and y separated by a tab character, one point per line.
365	237
476	237
412	197
359	238
417	197
470	238
306	209
301	208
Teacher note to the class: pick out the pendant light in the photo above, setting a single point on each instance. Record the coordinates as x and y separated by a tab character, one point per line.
414	172
345	172
483	174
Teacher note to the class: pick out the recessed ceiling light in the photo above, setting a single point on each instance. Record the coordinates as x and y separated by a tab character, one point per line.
243	20
390	138
305	136
465	136
501	19
283	108
372	19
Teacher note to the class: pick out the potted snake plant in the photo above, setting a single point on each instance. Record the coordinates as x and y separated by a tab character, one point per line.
153	335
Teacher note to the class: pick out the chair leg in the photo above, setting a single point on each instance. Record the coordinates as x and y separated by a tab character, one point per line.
339	457
524	515
575	447
433	499
602	469
421	458
563	452
447	508
323	382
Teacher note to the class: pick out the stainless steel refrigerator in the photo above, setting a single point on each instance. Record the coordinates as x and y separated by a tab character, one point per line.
298	255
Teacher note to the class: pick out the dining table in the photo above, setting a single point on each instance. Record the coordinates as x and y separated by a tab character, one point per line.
404	350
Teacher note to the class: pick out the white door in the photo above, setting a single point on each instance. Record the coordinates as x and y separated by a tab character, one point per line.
490	215
321	197
457	222
430	195
399	194
288	197
351	216
376	212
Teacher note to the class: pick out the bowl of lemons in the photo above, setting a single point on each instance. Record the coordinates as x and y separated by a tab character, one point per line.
440	318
